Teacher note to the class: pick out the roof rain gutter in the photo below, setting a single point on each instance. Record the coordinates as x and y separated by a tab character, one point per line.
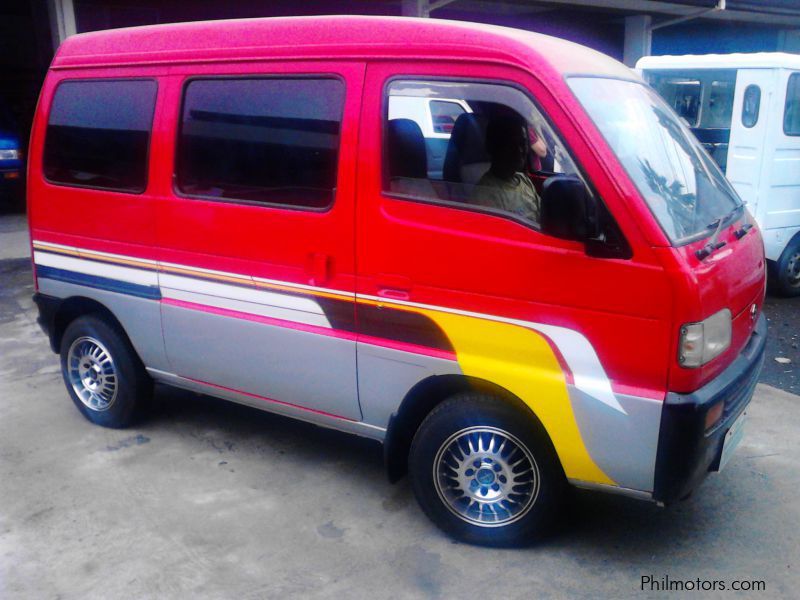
718	8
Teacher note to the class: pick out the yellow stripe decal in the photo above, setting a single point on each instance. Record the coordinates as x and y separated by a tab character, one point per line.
521	361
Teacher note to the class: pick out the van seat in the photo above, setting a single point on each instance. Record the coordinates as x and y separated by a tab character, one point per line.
467	160
408	161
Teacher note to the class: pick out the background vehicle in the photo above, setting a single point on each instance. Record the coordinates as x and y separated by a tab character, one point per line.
745	109
11	159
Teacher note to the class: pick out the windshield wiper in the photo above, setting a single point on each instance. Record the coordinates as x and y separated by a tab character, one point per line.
746	226
713	245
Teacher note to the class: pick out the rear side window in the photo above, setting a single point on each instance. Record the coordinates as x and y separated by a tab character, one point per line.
268	140
751	105
98	134
791	115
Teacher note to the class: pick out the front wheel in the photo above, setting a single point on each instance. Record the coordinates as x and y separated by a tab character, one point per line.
485	472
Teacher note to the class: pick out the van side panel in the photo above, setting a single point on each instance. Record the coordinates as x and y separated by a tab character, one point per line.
780	216
96	243
580	340
764	162
138	316
258	298
750	146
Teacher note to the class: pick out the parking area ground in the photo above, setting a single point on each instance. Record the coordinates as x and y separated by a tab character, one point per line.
209	499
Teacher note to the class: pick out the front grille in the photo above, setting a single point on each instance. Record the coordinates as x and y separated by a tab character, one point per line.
737	395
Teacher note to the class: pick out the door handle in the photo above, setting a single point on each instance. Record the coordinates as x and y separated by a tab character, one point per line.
393	294
318	267
394	287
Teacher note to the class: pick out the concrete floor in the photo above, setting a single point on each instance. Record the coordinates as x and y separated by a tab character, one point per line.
209	499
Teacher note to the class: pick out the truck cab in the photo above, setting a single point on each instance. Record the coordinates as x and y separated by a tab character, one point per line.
745	110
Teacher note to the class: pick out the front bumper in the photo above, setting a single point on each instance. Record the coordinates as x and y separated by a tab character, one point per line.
686	451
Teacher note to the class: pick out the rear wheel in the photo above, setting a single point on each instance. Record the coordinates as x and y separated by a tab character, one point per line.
485	472
787	270
104	376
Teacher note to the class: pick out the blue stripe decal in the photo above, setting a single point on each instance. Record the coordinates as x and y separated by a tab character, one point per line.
100	283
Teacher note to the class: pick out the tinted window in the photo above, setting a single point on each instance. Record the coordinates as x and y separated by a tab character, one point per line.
791	115
99	133
271	140
492	158
751	105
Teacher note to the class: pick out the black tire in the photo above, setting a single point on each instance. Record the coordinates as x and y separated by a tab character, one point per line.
133	387
460	416
786	280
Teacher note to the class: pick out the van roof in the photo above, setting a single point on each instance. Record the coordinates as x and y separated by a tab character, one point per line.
327	37
755	60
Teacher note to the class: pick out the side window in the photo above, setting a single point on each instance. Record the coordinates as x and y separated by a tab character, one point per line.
751	105
98	134
720	105
791	114
682	93
262	140
498	154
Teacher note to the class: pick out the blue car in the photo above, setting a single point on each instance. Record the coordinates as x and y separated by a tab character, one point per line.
12	166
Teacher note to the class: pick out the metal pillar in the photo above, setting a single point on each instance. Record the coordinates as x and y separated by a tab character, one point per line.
62	20
638	38
422	8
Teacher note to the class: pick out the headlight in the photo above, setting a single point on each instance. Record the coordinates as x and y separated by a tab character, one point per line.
10	154
701	342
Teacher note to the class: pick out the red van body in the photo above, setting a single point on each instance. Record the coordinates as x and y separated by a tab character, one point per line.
411	300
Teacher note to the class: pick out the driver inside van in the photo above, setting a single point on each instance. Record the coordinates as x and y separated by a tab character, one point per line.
505	185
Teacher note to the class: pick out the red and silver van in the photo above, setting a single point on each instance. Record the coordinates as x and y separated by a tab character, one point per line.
572	295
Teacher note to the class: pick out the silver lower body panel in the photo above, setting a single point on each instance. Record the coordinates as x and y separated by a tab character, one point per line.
289	410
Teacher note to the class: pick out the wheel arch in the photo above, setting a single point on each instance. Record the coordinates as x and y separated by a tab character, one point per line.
73	308
421	400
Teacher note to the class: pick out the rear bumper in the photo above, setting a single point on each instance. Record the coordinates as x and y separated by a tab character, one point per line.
686	451
48	306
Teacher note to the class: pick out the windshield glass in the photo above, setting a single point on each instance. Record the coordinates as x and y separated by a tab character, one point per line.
680	183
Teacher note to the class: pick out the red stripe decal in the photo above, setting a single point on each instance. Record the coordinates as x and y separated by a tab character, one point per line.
639	392
337	333
406	347
272	400
226	312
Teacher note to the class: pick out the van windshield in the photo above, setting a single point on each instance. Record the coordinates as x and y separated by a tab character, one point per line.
680	183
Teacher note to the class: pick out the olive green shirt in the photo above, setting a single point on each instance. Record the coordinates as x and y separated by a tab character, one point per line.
516	195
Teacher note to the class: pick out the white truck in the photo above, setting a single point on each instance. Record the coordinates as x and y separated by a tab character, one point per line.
745	109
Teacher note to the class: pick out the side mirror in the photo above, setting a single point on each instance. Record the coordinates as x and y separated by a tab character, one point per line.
568	211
